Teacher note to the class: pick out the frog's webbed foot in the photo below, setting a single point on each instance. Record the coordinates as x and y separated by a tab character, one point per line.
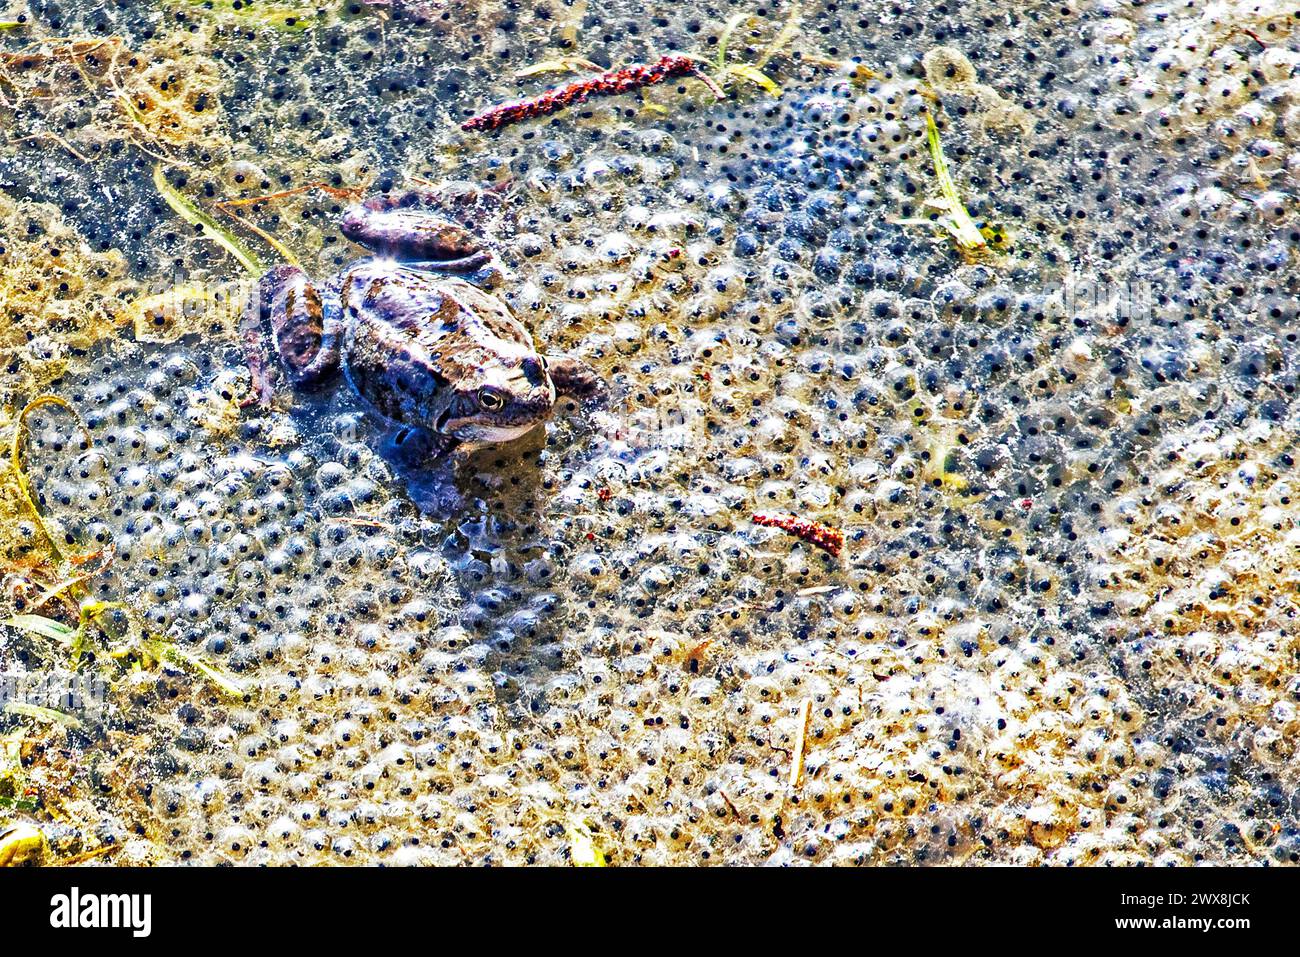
425	462
304	330
574	378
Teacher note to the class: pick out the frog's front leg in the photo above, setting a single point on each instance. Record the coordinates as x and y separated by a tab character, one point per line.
410	446
574	378
482	269
305	330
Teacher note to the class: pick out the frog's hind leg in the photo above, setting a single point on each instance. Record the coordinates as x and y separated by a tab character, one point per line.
481	269
308	331
304	329
252	328
437	230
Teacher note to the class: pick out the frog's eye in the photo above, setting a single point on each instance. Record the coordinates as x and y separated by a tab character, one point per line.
491	399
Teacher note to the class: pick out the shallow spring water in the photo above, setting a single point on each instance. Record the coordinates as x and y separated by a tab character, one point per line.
1061	629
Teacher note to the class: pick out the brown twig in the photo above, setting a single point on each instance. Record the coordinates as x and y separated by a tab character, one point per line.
610	83
46	135
227	206
801	744
336	192
1253	35
823	536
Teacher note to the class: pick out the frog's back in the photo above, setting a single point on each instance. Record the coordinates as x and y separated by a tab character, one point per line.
432	309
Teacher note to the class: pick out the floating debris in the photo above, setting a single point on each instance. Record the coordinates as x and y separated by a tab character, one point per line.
823	536
638	77
815	590
15	789
22	843
568	64
195	216
953	216
800	745
610	83
583	850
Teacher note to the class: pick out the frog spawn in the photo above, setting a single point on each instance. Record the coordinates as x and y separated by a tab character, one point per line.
997	673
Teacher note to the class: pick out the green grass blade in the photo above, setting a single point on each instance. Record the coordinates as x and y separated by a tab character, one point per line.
40	625
755	76
788	32
165	651
187	211
724	39
45	715
960	224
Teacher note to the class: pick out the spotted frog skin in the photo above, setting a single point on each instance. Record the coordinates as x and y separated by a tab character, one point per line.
414	329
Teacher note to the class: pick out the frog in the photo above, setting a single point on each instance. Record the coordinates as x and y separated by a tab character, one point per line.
415	327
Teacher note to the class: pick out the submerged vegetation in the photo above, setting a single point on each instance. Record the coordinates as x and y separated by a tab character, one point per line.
951	211
86	94
57	292
192	214
726	68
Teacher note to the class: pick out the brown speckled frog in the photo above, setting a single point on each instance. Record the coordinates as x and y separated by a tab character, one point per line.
414	329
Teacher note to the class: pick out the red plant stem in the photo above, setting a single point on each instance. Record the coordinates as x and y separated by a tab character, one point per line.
823	536
609	83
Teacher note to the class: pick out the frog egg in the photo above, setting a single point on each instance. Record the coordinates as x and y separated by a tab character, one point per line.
1273	205
268	646
315	838
539	570
330	475
180	370
242	174
196	607
162	615
250	512
209	794
362	491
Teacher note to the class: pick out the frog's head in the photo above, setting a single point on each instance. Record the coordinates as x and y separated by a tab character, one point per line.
508	394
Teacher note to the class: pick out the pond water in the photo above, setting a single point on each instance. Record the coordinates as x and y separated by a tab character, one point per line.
1051	410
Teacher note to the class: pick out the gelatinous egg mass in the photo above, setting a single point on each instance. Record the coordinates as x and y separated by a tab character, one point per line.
1047	397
